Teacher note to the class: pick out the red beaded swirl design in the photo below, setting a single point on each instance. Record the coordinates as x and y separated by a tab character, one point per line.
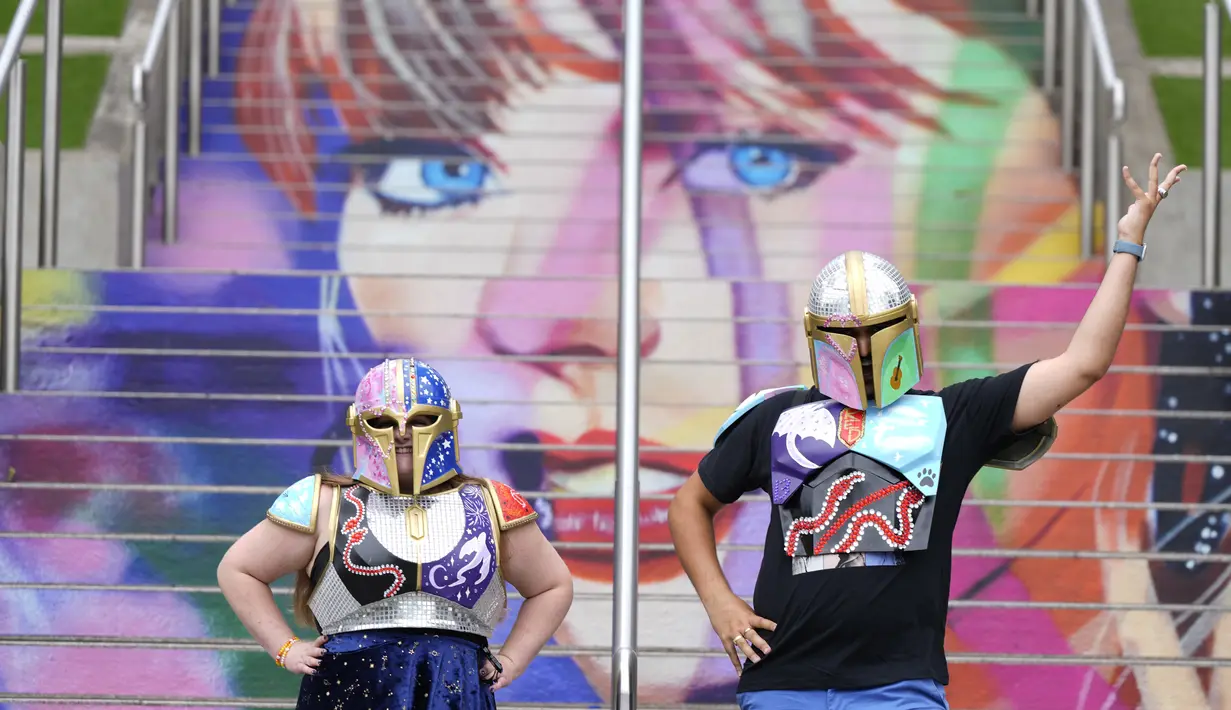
857	517
838	491
896	537
354	536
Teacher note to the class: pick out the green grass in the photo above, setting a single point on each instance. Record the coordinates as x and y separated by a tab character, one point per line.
81	86
98	18
1173	28
1181	102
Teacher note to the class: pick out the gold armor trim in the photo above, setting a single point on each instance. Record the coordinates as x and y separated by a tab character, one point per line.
310	528
334	511
857	287
1026	448
493	512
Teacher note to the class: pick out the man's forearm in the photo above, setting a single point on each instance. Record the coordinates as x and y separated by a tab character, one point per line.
1094	343
692	531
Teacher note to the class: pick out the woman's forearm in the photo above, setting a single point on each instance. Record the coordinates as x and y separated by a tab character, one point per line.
538	619
253	602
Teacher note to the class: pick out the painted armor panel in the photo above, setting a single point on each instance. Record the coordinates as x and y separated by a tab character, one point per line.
908	437
846	481
427	561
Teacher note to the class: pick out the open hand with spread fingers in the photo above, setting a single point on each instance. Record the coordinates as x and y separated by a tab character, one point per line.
736	624
1132	226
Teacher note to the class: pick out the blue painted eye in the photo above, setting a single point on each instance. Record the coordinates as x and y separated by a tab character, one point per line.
454	175
408	184
763	167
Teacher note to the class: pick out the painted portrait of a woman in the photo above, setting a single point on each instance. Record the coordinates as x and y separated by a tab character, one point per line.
461	158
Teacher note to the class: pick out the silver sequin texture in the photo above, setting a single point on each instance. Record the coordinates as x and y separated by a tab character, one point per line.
337	611
886	289
413	610
446	524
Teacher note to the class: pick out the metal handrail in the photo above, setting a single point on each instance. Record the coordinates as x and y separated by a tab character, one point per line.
1097	66
13	78
164	45
1211	207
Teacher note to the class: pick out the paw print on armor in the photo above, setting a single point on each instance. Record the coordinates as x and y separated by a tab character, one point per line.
927	479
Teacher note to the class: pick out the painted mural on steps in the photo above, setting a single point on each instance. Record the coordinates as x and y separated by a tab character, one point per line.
447	164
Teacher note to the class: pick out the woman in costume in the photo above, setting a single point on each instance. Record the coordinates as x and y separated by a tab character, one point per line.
403	568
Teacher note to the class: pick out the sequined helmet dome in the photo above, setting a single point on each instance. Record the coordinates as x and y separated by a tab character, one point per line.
860	290
402	390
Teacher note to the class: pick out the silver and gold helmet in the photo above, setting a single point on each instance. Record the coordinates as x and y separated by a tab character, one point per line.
862	290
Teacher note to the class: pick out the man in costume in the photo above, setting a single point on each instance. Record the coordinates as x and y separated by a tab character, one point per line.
866	476
403	568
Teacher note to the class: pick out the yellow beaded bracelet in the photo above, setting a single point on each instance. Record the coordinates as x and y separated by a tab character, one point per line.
280	660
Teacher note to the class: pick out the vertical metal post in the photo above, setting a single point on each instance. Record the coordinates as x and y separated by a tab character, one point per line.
1032	8
1111	213
1211	213
1068	86
214	35
140	188
14	174
171	130
49	194
1088	118
1051	25
196	45
627	495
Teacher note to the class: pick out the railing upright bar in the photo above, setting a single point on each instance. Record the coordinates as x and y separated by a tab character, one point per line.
196	48
214	35
627	503
164	44
1211	182
14	184
49	193
1068	86
171	128
13	78
1088	162
1051	28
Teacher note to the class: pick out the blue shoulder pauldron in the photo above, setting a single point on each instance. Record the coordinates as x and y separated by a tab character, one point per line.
298	505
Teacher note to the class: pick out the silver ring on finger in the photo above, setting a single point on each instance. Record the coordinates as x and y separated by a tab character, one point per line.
1162	193
738	638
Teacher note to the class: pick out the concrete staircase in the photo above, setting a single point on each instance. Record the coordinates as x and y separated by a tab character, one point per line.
353	203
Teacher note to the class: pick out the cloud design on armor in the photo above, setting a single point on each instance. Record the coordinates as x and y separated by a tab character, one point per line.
812	420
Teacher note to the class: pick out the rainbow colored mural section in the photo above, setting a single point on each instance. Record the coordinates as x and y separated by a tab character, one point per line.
441	179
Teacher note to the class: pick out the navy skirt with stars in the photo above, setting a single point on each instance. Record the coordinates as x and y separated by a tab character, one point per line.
399	670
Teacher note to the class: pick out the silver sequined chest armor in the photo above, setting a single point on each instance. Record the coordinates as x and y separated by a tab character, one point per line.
424	562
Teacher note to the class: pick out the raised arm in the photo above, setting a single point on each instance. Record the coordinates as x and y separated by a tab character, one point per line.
263	555
535	570
1051	384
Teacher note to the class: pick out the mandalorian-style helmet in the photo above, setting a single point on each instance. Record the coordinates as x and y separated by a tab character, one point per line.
862	290
401	390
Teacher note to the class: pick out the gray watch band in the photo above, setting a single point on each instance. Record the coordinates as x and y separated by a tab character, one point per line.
1124	247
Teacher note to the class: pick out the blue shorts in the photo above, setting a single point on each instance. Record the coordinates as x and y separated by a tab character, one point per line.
906	695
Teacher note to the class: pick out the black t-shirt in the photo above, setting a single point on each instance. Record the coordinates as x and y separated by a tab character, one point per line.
861	627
